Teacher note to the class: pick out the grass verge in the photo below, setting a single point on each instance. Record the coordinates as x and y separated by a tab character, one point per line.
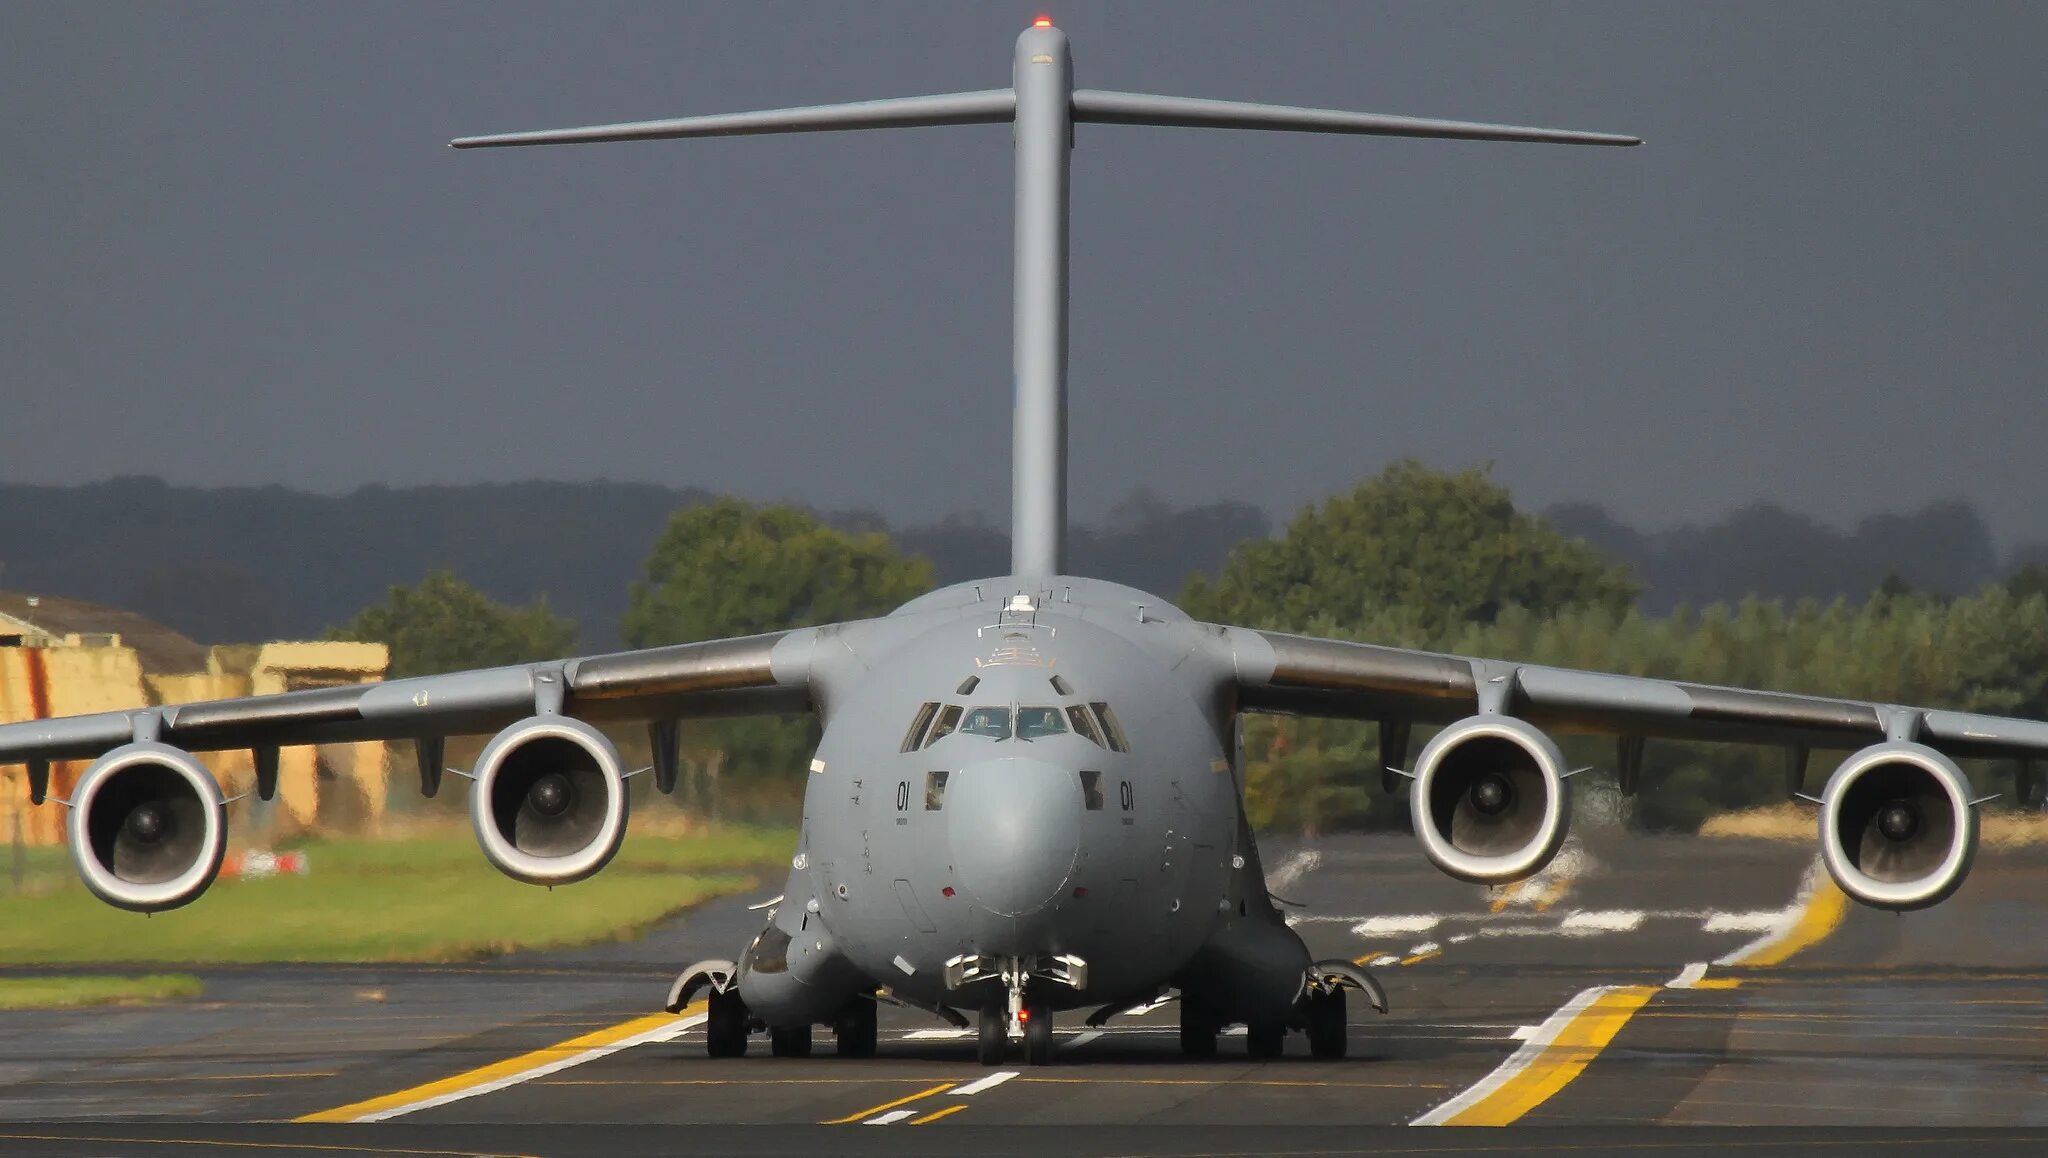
72	992
428	897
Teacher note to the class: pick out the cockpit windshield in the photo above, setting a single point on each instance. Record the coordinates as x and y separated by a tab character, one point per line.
1033	723
993	723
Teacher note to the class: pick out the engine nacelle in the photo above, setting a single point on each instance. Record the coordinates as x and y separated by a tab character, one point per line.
146	827
1489	799
1896	827
549	802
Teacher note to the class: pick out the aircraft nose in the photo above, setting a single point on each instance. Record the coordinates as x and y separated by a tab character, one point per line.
1014	824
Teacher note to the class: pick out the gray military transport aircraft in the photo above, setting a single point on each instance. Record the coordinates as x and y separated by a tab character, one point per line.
1027	797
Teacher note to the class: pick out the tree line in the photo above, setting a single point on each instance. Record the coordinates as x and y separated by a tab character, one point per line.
1411	557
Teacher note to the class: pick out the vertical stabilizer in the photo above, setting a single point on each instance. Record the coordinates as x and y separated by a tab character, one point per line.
1044	106
1044	84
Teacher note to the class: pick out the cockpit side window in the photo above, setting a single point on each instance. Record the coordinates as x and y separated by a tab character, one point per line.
914	738
1035	722
993	723
1110	728
1084	724
948	720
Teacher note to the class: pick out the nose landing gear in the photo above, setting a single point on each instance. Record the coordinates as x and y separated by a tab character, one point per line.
1020	1014
1034	1025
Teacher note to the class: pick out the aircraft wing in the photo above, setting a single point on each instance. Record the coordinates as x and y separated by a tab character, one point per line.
750	675
1302	675
1897	823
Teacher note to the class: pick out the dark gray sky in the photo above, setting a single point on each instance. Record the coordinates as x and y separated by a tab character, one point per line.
237	252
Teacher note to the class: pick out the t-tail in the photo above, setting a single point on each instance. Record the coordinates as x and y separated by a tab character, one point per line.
1044	106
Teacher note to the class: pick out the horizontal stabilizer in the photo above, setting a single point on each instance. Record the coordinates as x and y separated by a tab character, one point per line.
958	108
1134	108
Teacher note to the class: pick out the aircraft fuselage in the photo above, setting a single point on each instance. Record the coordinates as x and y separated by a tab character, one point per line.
1017	771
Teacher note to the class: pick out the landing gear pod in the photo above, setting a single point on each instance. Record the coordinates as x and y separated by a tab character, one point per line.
1896	827
1489	799
549	804
146	827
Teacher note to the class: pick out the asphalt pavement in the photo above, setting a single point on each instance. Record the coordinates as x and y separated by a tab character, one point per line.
1639	982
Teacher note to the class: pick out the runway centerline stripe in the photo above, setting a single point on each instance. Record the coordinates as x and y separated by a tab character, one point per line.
514	1070
905	1100
1547	1062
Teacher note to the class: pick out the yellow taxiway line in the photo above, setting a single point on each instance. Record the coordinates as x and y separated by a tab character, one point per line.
1561	1049
1565	1044
871	1111
514	1070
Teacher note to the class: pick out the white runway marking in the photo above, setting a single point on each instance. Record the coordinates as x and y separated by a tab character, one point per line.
1688	976
890	1118
937	1034
1610	921
988	1083
1755	922
1395	926
1081	1039
1560	922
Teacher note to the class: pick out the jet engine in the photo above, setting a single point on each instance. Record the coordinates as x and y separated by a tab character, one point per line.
1489	799
147	830
1896	827
549	803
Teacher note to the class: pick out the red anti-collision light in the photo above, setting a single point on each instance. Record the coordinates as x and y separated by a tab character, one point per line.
947	891
1080	890
1043	21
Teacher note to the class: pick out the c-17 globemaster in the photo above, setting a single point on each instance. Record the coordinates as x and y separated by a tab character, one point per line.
1027	798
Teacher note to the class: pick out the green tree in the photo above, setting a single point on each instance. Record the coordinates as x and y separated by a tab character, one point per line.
1442	548
731	568
443	624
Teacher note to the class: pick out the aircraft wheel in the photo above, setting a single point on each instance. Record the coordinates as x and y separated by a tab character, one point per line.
1197	1030
725	1025
1038	1036
854	1030
792	1042
994	1039
1326	1024
1265	1040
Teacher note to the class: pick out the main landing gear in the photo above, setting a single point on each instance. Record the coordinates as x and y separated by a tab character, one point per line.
726	1025
853	1028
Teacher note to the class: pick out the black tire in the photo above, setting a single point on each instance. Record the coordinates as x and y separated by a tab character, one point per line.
725	1025
1038	1036
1265	1040
854	1031
993	1042
1327	1028
1197	1030
792	1042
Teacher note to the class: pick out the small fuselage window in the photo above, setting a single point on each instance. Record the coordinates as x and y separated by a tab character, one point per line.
914	738
1033	723
1084	725
948	720
993	723
1111	730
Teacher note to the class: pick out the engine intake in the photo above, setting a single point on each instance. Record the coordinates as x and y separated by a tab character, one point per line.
1489	799
1896	827
146	828
549	804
